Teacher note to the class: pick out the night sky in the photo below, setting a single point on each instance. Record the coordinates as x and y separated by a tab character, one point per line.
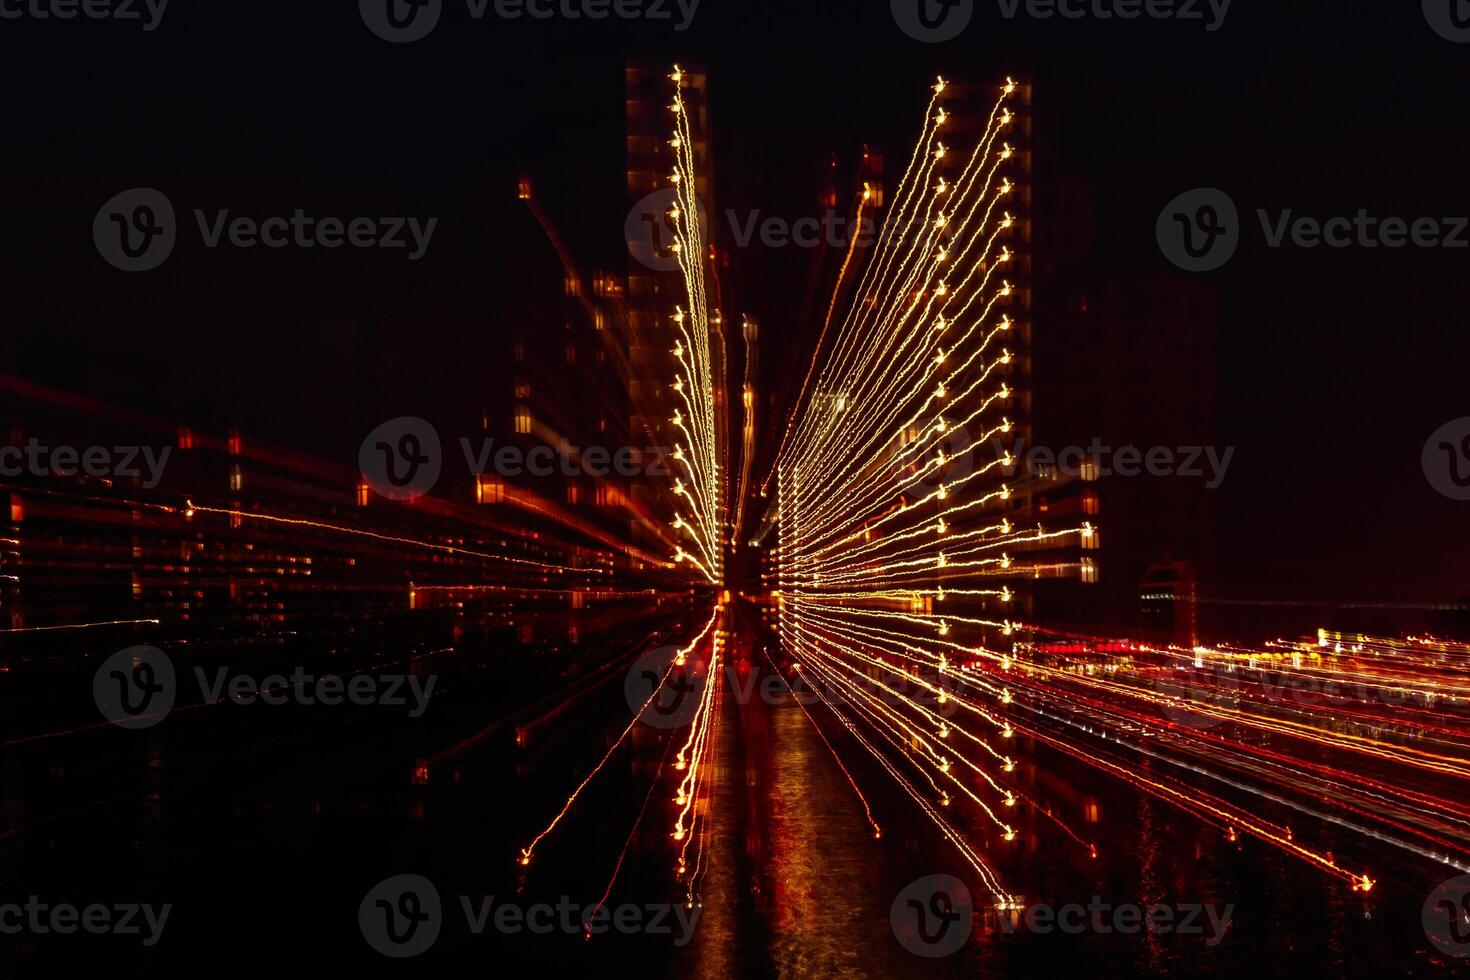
1334	365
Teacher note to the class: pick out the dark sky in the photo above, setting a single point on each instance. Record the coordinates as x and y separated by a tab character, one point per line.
1334	365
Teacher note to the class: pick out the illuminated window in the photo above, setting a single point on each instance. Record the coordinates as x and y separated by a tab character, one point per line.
234	442
1089	571
237	479
1089	503
523	189
17	509
186	438
574	288
523	390
489	490
523	421
574	494
364	494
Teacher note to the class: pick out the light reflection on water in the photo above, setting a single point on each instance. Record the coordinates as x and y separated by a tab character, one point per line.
795	883
799	887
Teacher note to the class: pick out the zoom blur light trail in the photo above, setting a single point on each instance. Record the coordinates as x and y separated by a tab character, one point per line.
890	540
191	508
699	442
867	810
695	787
529	851
899	562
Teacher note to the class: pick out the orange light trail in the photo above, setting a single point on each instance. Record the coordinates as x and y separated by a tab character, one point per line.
529	850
